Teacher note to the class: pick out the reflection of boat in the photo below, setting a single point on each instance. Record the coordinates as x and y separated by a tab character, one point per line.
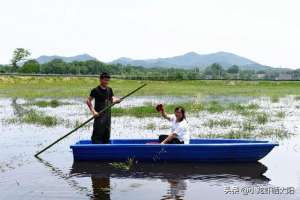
199	150
205	171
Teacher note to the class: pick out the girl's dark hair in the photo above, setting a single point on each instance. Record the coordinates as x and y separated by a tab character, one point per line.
182	110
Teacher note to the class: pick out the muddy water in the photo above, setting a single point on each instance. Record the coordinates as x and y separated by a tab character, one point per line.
56	176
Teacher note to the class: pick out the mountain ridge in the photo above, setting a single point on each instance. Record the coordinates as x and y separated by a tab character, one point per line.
194	60
189	60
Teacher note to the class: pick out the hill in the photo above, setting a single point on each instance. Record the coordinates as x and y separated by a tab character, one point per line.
192	60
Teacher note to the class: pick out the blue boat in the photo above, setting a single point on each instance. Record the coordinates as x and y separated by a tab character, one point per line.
148	150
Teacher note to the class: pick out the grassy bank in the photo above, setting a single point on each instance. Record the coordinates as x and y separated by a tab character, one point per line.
33	87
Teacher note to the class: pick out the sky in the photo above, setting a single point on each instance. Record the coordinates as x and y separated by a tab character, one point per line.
266	31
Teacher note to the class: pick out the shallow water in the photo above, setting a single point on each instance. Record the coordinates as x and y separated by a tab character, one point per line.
56	176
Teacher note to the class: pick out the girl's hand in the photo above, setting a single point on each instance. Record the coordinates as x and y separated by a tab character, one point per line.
160	108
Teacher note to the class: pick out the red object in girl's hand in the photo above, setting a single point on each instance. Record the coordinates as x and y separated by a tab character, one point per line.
159	108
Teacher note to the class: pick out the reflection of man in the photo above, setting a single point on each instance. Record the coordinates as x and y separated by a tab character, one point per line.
101	187
177	188
103	96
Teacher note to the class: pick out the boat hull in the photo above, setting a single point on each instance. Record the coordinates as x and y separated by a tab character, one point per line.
199	150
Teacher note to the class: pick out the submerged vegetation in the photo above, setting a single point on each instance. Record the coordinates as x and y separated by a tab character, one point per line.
35	117
231	135
31	116
277	133
126	166
275	99
222	123
297	98
53	103
280	114
261	118
242	134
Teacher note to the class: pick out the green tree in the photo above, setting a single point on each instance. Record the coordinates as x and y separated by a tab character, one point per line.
234	69
247	74
215	70
19	54
56	66
296	74
30	66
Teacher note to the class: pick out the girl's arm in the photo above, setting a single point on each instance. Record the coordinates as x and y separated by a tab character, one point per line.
165	115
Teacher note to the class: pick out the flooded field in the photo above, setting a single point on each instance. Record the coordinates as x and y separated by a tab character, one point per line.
27	126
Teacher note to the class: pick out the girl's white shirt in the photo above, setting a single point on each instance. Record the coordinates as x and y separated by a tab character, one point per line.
181	129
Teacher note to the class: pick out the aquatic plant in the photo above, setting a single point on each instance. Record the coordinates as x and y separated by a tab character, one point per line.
150	126
34	117
214	107
123	165
230	135
248	125
244	110
297	98
277	133
280	114
213	123
274	99
52	103
261	118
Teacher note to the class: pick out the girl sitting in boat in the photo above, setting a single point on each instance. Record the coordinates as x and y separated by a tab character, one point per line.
179	129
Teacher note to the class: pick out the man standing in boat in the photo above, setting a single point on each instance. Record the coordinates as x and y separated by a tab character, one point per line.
103	96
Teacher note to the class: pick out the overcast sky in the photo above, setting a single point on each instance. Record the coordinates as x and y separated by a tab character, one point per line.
266	31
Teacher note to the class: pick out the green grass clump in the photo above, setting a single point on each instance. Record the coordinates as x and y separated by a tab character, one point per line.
52	103
248	125
275	99
125	166
297	98
223	123
35	117
277	133
230	135
261	118
244	110
215	107
280	114
150	126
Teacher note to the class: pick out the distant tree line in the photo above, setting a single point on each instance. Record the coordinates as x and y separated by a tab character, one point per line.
92	67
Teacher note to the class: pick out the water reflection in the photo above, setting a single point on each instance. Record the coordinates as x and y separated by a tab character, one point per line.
101	187
176	175
176	189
